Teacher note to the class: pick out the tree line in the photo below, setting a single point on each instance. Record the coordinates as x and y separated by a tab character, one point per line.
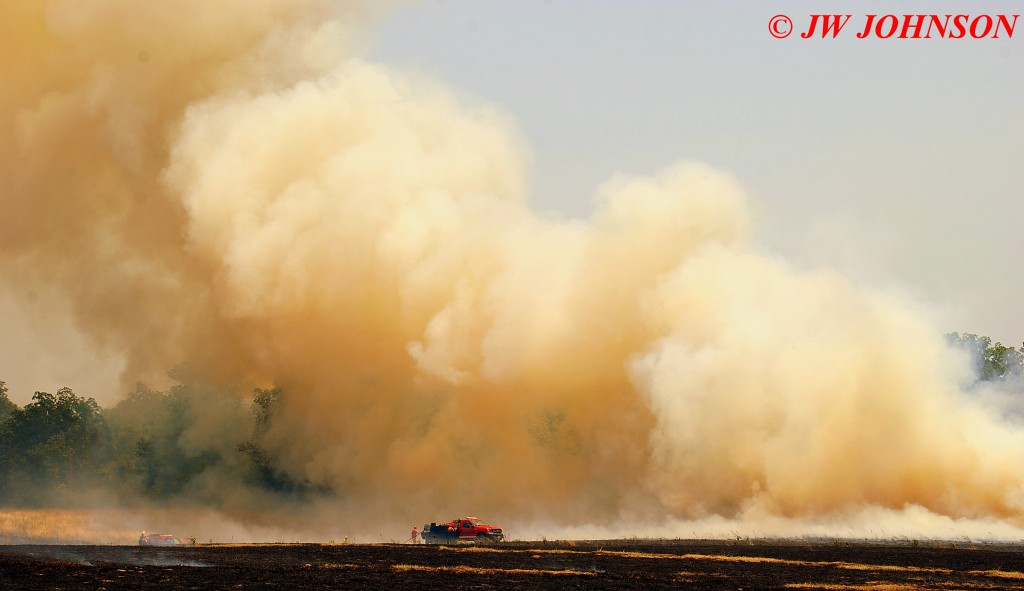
991	361
190	441
184	442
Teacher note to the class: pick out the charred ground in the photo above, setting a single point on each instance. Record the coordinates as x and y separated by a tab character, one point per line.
616	564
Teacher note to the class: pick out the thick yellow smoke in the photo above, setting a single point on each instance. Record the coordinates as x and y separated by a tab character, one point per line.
225	185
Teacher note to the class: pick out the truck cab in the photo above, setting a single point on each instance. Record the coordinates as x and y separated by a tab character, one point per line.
462	529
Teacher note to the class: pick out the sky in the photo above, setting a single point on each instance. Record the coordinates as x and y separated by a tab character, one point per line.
895	162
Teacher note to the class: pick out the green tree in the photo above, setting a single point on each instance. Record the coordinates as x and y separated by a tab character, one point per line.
6	406
1001	361
264	404
263	470
49	445
136	423
991	361
147	429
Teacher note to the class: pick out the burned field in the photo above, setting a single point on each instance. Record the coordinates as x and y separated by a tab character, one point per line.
617	564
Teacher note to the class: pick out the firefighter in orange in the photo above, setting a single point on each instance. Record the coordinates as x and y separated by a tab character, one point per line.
415	535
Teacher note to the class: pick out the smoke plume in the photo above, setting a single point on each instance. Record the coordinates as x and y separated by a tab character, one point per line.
229	187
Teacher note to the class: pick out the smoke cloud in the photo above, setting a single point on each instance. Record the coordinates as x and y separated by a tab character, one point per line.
227	186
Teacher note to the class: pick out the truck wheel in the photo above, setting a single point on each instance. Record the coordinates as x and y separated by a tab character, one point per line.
484	539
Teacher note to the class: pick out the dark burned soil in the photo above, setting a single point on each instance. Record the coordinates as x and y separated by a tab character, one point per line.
616	564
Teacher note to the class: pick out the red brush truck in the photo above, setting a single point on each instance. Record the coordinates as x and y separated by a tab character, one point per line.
464	529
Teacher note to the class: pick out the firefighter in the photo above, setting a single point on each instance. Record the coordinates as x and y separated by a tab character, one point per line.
415	535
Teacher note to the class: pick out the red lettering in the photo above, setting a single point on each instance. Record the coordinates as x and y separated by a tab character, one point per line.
974	26
907	19
834	23
941	25
918	26
1005	23
893	21
867	27
960	22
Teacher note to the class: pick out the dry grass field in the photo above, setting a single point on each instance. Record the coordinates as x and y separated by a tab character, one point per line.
49	526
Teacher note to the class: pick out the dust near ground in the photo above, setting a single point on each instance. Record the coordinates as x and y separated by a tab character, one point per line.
615	564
